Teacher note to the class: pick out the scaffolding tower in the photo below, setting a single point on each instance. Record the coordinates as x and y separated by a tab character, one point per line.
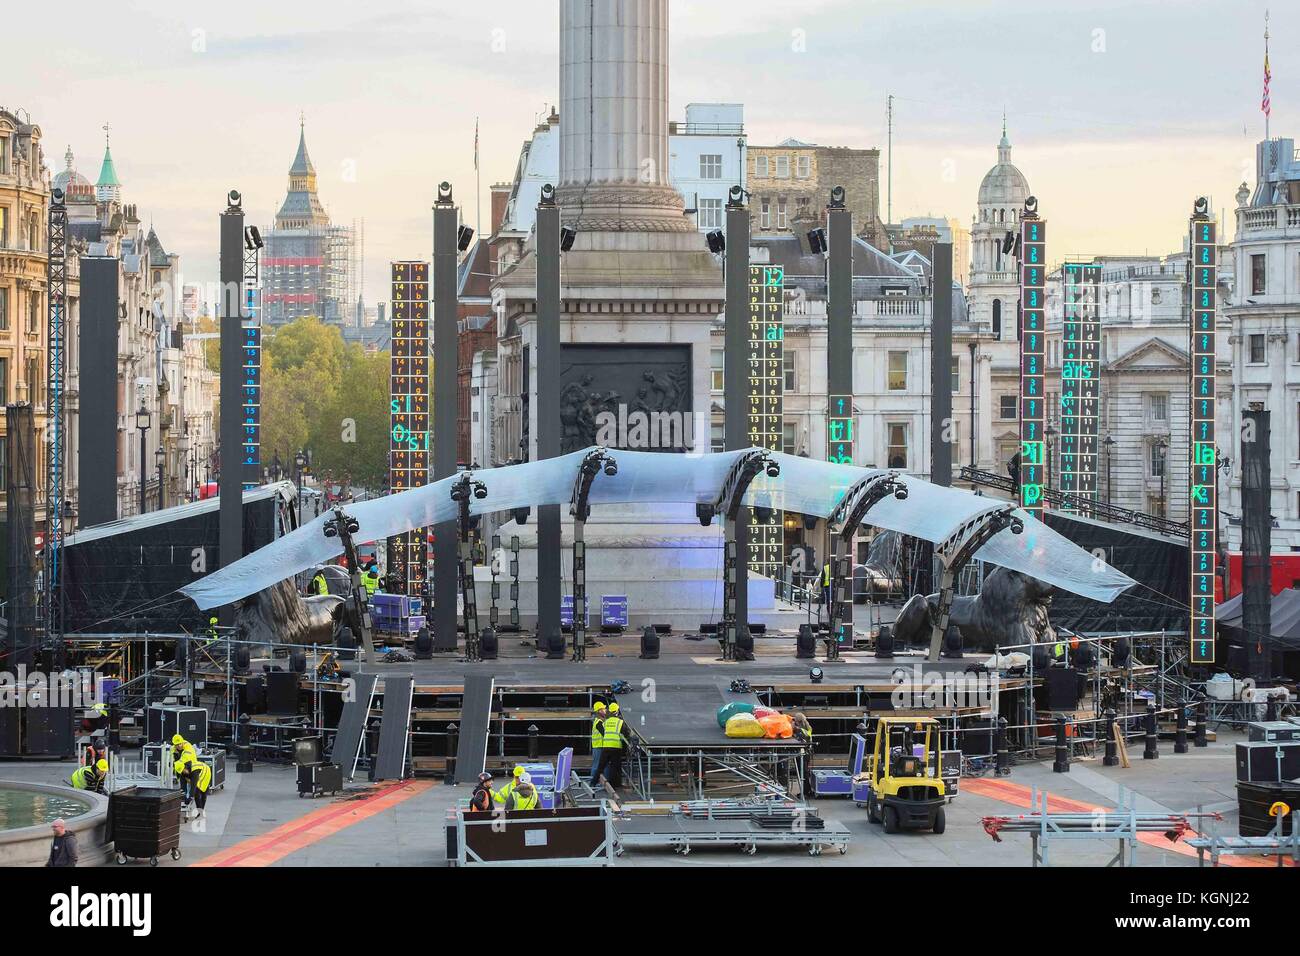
56	284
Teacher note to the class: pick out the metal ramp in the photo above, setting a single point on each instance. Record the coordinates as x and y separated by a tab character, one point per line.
395	727
352	725
476	715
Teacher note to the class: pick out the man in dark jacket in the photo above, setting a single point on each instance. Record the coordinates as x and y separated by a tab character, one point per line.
63	851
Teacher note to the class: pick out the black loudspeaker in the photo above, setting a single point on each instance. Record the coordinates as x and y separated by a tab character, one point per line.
952	643
423	644
487	641
182	654
11	731
298	661
806	643
49	732
1063	685
885	643
649	644
347	644
243	660
254	696
281	693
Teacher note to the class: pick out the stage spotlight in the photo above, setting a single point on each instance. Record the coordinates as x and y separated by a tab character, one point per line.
521	515
1008	242
736	196
900	492
611	468
885	642
480	490
806	643
548	195
1031	204
772	468
487	644
762	513
444	192
817	241
717	241
815	675
704	512
56	196
810	522
837	197
567	236
234	198
464	236
1202	206
252	238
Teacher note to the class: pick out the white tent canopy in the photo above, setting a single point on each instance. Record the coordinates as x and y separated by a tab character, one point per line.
804	486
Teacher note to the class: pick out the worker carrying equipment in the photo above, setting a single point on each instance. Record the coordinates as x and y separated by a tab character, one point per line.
90	777
180	746
609	761
524	796
195	777
318	584
503	795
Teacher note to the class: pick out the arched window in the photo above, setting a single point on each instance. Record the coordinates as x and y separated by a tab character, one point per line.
997	318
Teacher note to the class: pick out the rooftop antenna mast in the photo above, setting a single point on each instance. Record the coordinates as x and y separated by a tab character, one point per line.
889	154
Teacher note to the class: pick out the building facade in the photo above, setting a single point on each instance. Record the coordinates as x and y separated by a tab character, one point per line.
307	262
1265	340
791	182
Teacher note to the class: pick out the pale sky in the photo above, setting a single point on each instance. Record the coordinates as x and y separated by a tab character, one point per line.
1106	116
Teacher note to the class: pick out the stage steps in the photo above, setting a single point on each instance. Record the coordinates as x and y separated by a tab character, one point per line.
476	715
394	727
352	725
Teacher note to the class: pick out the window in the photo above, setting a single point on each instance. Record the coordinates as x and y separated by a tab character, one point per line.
783	167
760	166
790	438
1053	408
1257	349
4	309
897	453
997	318
709	215
33	382
1158	460
765	214
4	155
780	214
1258	281
716	381
4	460
34	313
789	371
1158	407
803	167
4	383
717	441
956	375
711	166
897	372
1007	407
4	224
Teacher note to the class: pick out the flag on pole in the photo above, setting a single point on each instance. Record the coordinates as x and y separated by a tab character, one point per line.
476	125
1265	105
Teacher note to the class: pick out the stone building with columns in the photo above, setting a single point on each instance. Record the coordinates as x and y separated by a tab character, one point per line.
1264	312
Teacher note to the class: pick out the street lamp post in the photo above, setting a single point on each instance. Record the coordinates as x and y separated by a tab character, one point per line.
1164	466
142	426
183	466
1109	443
160	457
1051	433
299	463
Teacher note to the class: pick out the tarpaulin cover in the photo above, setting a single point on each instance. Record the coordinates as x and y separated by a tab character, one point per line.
805	486
1284	617
117	575
1159	562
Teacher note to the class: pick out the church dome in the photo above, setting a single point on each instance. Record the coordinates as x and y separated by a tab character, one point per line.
74	185
1004	184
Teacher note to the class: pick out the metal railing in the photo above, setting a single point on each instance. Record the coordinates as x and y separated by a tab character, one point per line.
1080	504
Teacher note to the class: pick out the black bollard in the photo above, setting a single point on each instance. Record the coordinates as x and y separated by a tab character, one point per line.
1003	756
1112	746
1202	718
453	743
1180	732
534	742
1062	762
1151	751
244	752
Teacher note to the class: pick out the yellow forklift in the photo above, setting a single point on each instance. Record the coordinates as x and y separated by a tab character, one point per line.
903	784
